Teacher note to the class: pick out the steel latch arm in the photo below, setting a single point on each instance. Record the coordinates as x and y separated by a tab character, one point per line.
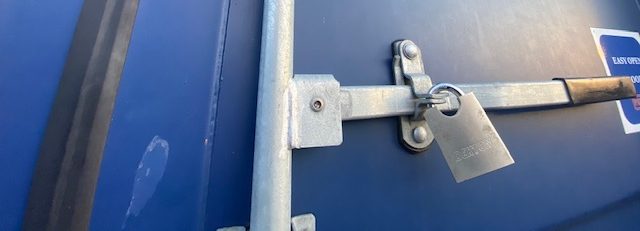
367	102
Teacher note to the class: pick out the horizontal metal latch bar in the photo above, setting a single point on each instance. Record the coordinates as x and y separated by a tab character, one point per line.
514	95
366	102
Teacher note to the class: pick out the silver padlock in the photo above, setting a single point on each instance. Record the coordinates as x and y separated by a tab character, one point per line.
468	140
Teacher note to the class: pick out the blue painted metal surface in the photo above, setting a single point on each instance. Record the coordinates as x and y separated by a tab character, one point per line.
34	39
229	198
156	162
574	167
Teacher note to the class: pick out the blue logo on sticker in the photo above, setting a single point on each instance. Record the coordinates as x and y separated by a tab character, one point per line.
623	58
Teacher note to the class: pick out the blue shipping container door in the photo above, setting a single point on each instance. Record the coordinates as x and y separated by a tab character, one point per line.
180	148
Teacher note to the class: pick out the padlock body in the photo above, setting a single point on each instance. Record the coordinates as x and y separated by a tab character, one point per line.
469	141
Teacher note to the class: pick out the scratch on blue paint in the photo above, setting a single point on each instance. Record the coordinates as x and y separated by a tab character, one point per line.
149	173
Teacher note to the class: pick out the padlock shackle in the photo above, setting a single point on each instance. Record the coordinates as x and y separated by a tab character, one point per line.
446	86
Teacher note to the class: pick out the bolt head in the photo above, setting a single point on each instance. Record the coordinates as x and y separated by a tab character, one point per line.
420	134
410	50
317	104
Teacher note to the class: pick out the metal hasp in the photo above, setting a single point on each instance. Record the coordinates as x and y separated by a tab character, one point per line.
408	69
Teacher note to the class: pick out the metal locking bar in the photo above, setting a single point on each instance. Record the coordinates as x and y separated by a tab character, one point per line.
365	102
368	102
408	69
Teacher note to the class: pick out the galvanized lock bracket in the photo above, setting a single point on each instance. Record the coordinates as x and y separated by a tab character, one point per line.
316	118
317	104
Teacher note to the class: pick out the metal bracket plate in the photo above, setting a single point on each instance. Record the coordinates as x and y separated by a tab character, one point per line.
316	119
304	222
408	69
233	228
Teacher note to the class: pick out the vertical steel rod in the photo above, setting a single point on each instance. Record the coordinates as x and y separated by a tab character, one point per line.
271	195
